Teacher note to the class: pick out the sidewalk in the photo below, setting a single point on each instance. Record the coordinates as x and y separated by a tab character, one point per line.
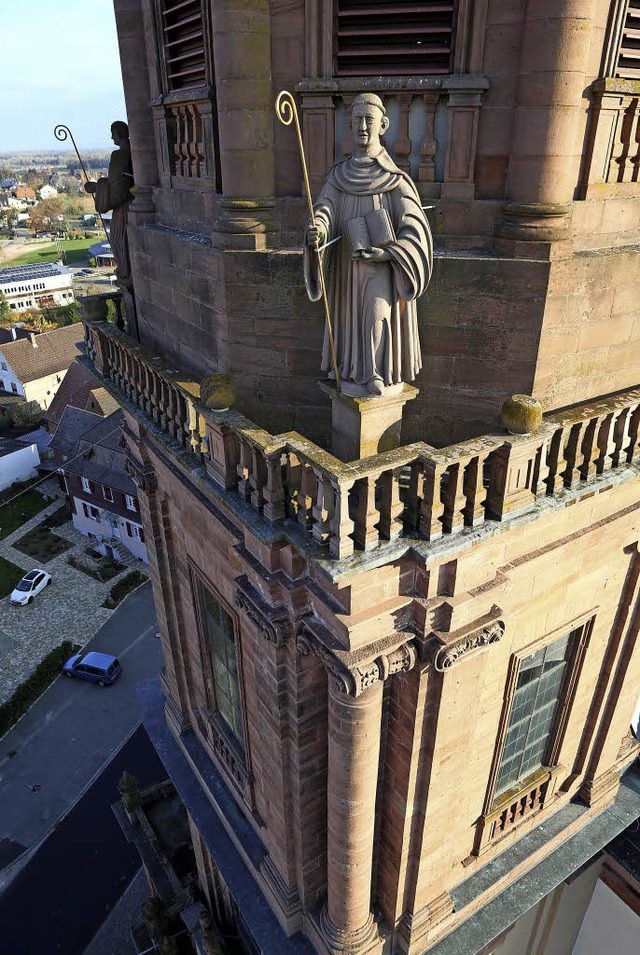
69	609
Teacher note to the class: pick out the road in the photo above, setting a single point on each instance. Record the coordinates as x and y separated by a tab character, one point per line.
70	734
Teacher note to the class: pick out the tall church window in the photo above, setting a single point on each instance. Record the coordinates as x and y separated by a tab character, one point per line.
182	32
375	37
539	686
221	645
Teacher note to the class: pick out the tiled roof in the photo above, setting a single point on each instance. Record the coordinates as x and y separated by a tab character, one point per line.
75	391
92	447
101	402
45	354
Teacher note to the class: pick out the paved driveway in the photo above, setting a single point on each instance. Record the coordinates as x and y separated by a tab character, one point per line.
69	609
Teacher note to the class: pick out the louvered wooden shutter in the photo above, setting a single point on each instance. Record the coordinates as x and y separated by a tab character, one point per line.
183	42
628	66
393	39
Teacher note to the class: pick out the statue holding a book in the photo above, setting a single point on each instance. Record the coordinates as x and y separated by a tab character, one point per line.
374	240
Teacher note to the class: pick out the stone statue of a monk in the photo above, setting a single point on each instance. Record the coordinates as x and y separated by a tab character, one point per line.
113	192
376	271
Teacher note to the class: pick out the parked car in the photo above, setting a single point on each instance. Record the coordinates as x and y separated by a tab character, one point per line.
100	668
30	585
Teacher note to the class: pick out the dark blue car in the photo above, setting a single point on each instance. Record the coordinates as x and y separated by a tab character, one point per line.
100	668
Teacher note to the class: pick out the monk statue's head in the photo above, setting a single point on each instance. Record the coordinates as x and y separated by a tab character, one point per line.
119	132
369	121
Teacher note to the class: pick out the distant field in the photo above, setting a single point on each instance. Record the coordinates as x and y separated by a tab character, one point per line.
75	252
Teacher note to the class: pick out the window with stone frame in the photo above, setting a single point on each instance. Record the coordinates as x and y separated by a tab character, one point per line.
378	37
539	687
182	38
221	643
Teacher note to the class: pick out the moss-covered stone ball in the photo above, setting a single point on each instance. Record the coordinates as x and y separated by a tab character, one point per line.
217	392
521	414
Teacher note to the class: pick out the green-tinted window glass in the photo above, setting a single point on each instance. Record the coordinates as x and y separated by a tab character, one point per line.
533	712
224	664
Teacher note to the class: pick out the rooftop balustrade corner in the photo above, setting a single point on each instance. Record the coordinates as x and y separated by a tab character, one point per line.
413	496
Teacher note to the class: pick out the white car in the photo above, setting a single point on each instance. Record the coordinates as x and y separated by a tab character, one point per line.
30	585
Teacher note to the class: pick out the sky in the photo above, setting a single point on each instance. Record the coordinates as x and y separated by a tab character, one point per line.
59	64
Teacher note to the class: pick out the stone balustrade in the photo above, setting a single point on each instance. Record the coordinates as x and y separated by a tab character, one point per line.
164	396
186	129
432	133
612	164
416	491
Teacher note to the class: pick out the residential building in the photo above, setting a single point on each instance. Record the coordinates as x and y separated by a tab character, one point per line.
79	389
48	192
103	498
42	285
34	367
18	462
399	678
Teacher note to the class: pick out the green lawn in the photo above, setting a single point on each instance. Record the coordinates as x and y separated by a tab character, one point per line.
16	513
10	574
75	252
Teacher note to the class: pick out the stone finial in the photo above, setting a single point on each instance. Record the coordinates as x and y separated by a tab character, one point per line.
521	414
217	392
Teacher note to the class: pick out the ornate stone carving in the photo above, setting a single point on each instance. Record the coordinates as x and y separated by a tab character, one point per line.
448	655
354	680
143	476
273	624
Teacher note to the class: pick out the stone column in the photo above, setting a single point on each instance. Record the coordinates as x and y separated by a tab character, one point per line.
354	753
242	57
130	24
547	139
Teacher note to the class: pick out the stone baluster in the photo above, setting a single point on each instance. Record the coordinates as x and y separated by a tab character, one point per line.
605	441
432	508
429	145
222	459
402	144
306	495
474	491
244	469
634	434
354	754
273	491
574	454
367	514
621	436
454	499
323	509
341	526
590	448
416	483
257	477
391	506
556	461
291	484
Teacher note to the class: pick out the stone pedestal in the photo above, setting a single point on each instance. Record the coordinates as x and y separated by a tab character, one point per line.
361	427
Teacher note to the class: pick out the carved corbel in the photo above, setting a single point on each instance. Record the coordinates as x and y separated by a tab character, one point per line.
467	643
143	476
354	680
274	624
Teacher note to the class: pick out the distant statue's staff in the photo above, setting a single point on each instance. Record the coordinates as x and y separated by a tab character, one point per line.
287	113
62	133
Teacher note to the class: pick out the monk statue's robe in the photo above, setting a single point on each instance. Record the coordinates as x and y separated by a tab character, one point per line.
113	192
372	304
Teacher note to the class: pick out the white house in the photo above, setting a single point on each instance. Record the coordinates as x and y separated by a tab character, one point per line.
34	367
48	192
35	286
17	462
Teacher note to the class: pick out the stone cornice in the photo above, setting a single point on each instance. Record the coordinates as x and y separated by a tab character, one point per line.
273	623
353	679
466	642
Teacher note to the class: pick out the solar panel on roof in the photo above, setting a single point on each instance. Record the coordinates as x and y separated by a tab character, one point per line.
39	270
